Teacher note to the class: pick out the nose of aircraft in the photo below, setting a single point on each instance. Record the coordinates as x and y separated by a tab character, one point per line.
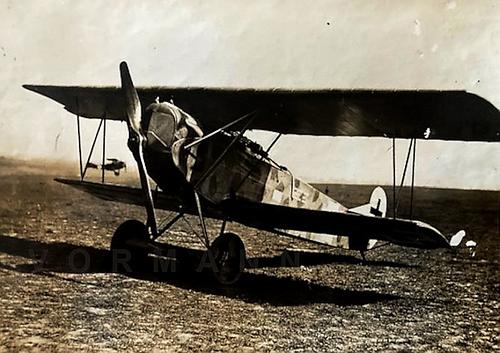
161	128
169	129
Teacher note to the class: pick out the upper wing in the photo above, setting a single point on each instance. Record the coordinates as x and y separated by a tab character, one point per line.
398	231
443	115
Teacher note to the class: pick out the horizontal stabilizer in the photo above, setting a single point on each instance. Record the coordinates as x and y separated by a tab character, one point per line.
457	238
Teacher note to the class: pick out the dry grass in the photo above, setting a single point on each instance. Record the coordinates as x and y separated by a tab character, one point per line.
402	300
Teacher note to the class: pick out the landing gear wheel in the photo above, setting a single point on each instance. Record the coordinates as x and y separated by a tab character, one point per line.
229	257
126	249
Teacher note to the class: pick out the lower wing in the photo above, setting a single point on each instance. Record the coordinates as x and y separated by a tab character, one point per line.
397	231
271	217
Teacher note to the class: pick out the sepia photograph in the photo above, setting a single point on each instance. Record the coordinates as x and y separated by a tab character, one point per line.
249	176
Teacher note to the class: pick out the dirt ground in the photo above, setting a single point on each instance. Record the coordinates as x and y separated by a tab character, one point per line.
59	291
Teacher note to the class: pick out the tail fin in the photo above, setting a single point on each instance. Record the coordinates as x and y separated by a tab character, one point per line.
377	206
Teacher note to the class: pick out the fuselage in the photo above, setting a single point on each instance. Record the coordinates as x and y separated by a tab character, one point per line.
245	173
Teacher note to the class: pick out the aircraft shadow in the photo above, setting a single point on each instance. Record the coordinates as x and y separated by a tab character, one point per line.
293	258
62	257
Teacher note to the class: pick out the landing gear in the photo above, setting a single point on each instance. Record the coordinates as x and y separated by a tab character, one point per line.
226	253
128	244
229	257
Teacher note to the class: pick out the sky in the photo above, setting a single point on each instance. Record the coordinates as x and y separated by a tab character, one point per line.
259	44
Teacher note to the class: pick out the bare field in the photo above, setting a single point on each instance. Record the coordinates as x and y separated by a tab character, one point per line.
59	291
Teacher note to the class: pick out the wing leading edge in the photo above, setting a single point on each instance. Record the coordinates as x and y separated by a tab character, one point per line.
135	196
441	115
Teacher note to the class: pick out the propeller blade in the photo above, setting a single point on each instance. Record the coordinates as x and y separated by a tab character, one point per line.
132	102
133	111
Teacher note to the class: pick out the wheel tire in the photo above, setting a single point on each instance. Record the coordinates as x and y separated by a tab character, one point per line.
123	251
229	256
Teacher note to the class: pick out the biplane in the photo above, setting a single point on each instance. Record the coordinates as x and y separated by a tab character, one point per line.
113	165
191	143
